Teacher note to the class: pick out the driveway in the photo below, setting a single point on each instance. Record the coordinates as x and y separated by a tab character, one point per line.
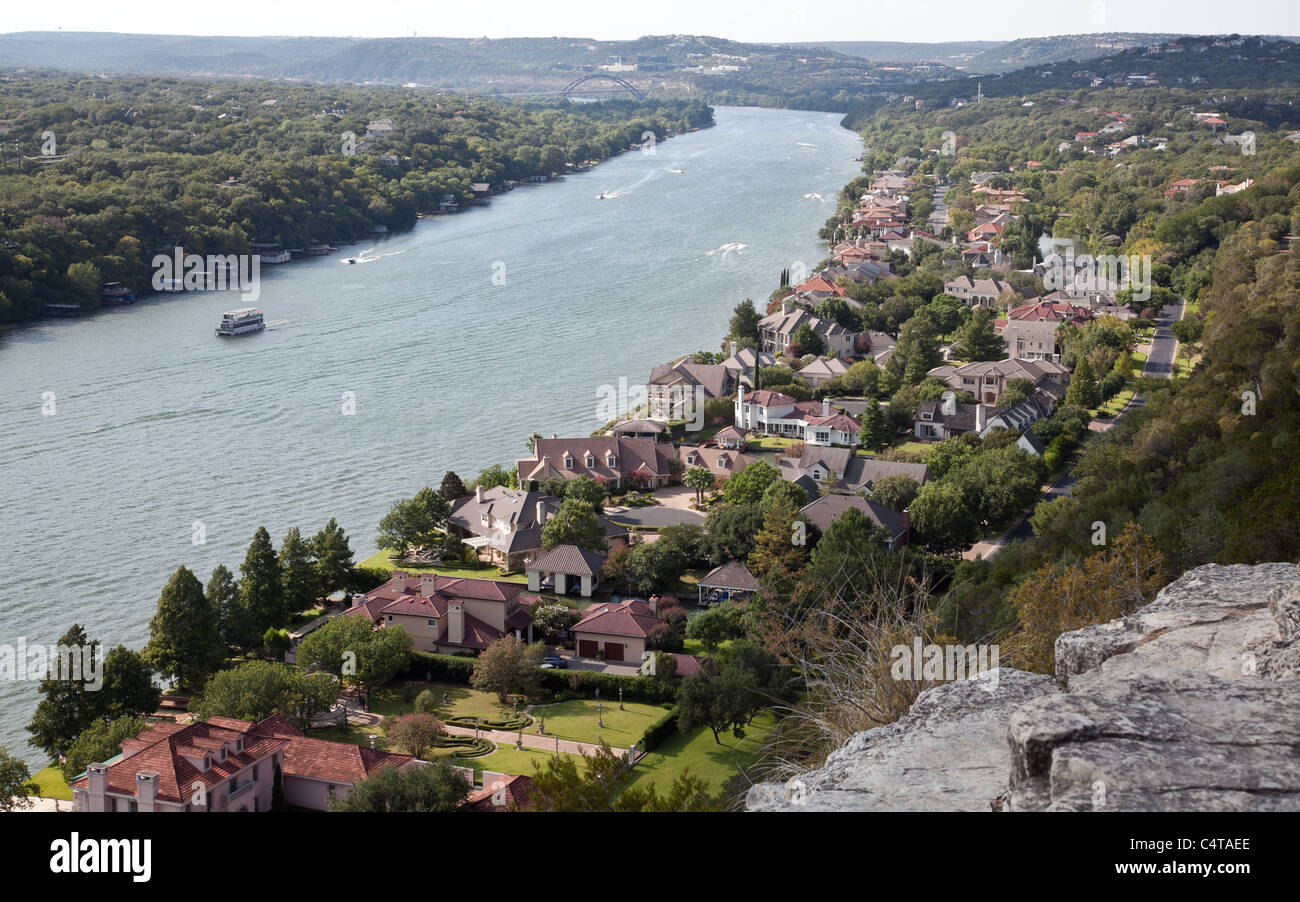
653	517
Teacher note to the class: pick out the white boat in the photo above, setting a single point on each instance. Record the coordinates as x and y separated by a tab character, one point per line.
240	322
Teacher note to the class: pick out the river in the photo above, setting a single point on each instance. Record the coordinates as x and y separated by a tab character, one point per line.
450	343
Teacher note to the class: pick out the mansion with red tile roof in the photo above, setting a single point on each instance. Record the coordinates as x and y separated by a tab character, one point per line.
448	614
225	764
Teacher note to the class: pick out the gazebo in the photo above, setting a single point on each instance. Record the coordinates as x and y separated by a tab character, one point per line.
726	583
565	565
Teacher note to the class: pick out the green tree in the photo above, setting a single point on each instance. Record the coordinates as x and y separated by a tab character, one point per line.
416	733
553	618
333	558
128	684
977	340
652	567
508	666
297	572
255	690
730	531
584	488
747	486
776	554
700	479
184	641
422	788
807	341
1083	386
575	523
895	492
943	518
715	625
66	708
359	655
222	593
16	784
413	522
261	588
99	742
876	429
744	322
717	700
451	488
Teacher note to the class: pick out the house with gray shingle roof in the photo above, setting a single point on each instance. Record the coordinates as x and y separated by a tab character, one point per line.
825	510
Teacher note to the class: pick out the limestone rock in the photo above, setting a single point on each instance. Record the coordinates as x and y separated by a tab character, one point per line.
949	753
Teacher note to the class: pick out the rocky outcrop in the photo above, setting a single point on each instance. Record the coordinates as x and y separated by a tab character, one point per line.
949	753
1190	703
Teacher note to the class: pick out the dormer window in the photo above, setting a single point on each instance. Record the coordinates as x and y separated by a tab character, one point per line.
691	458
611	459
568	462
483	518
927	415
591	461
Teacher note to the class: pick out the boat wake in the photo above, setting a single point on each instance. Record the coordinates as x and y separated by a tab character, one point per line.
804	144
813	195
733	247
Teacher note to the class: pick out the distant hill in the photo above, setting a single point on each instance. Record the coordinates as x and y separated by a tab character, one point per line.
949	53
1079	47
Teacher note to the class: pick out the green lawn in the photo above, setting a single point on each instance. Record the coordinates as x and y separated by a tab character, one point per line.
771	442
461	700
576	720
1115	404
50	780
381	560
923	448
507	760
704	757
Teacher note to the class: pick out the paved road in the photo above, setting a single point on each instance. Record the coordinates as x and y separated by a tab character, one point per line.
1164	347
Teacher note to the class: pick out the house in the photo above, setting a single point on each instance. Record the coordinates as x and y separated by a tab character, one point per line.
1030	330
504	526
937	421
777	329
730	582
224	764
773	413
977	292
675	389
985	232
607	459
842	470
821	370
651	429
819	288
1021	415
565	567
741	364
1181	186
1221	190
731	438
721	462
824	511
616	632
988	379
448	614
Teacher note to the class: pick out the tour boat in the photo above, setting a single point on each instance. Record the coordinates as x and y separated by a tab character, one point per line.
115	293
239	322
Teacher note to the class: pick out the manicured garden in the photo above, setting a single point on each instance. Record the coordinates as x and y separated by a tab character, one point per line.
576	720
705	758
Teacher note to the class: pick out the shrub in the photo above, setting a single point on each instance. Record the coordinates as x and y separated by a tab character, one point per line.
426	702
660	730
441	668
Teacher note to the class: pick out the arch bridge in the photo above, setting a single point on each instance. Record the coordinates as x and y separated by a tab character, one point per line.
620	86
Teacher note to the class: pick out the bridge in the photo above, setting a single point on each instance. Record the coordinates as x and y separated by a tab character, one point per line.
619	88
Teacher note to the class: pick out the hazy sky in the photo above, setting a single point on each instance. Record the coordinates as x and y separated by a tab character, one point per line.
743	20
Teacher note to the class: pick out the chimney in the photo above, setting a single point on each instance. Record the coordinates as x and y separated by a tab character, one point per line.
949	404
456	622
907	523
979	417
826	407
399	576
478	494
785	308
146	789
654	604
97	777
428	583
731	348
541	512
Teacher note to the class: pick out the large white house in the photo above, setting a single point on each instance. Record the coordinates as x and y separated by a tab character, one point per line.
772	413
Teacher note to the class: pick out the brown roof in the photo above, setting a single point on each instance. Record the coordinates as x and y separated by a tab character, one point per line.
569	559
518	795
731	575
630	618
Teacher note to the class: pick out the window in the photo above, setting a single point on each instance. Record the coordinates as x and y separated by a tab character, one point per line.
132	806
433	621
254	773
927	415
568	462
591	461
610	459
388	617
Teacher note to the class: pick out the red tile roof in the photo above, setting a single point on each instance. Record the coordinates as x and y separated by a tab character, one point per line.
519	795
630	618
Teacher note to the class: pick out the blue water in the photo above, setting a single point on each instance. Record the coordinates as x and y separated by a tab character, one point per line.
159	424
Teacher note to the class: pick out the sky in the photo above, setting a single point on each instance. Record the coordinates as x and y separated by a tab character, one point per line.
741	20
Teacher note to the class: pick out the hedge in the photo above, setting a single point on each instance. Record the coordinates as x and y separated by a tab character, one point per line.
660	730
518	722
467	746
635	688
442	668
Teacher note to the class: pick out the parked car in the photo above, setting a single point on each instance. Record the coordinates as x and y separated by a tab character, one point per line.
555	661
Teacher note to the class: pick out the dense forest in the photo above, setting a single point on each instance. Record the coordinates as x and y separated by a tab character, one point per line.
97	175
